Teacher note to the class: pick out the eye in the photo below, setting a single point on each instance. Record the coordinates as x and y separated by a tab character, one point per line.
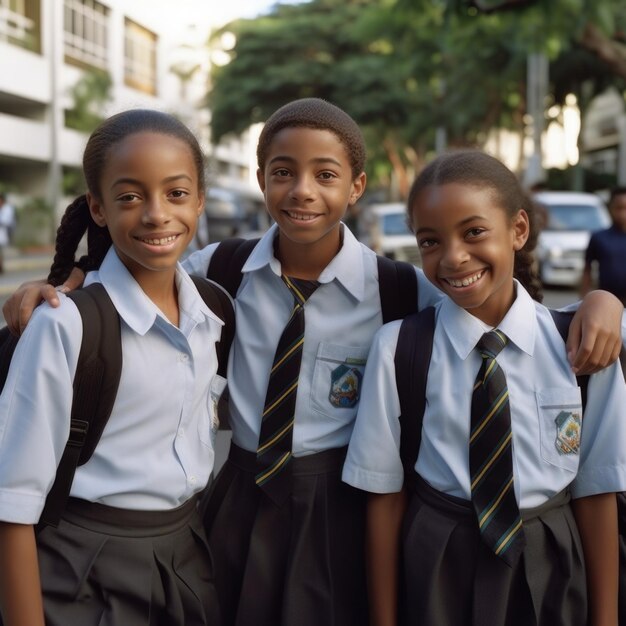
426	243
281	172
128	197
327	175
179	193
475	232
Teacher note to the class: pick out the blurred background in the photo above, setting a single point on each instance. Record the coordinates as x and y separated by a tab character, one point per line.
540	84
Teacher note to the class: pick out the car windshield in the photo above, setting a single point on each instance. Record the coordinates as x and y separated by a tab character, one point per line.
574	217
395	224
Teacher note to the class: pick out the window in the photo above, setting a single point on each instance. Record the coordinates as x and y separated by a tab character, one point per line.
140	57
86	30
19	23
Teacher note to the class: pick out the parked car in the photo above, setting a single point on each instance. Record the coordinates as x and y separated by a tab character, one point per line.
570	218
231	213
384	228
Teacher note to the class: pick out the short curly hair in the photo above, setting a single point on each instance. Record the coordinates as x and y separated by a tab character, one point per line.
317	114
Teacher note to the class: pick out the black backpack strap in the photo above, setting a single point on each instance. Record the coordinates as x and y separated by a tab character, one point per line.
397	283
412	361
228	260
8	341
219	301
95	387
562	321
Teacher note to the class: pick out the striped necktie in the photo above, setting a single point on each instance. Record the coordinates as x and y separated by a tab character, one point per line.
490	455
274	451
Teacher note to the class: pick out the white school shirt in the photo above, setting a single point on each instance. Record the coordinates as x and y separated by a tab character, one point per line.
341	318
157	447
541	387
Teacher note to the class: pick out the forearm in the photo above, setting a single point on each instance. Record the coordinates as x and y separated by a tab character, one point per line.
20	589
385	513
596	517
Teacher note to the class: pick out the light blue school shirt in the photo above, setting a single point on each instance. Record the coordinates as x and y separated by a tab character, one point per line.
541	386
341	318
157	447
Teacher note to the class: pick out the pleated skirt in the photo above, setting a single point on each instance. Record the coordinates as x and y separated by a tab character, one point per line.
300	564
450	578
105	566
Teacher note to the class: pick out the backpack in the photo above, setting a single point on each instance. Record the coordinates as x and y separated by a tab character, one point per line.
397	280
98	375
412	361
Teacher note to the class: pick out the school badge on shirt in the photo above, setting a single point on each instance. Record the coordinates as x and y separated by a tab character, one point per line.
568	425
345	386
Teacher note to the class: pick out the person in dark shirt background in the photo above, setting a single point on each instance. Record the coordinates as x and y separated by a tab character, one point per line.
608	249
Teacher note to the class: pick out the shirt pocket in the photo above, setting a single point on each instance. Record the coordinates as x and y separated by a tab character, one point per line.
560	423
209	426
337	380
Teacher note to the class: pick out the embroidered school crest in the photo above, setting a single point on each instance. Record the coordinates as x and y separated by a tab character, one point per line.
345	386
568	425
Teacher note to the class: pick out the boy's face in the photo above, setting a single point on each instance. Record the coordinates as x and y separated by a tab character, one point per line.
618	211
308	184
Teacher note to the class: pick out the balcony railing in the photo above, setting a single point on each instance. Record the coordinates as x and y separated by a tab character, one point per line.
18	29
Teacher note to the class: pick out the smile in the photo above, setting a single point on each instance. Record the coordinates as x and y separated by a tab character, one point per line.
464	282
163	241
301	216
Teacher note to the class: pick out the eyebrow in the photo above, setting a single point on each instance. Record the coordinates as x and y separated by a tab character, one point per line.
316	160
471	218
134	181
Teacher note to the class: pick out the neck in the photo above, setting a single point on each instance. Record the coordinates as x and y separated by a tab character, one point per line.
308	261
160	287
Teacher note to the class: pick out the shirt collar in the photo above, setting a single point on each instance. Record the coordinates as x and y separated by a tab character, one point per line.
464	330
134	306
346	266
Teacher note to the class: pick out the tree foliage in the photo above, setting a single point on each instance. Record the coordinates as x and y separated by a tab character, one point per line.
405	68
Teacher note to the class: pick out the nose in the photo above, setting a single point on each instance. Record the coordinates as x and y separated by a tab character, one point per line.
156	211
302	188
454	255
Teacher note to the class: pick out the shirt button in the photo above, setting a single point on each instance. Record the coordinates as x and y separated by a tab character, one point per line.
181	432
183	358
192	480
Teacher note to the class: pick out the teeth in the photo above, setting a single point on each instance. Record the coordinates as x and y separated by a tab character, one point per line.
159	242
466	281
299	216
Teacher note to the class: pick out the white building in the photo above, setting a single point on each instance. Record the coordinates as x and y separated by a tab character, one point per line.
154	53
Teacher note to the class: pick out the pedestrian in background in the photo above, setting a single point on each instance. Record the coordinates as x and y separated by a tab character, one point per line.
608	248
7	224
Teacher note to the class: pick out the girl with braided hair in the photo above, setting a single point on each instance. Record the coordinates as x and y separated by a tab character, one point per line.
130	547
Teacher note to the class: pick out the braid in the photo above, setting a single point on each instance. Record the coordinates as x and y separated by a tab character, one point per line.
525	263
75	222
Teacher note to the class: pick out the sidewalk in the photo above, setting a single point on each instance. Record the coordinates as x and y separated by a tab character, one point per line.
23	265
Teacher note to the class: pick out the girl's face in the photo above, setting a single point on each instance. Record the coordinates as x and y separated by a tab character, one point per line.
468	243
308	185
150	201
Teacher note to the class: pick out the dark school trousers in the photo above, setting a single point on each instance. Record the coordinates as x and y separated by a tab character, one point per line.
299	564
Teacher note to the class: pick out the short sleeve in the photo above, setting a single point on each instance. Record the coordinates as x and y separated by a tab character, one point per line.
373	460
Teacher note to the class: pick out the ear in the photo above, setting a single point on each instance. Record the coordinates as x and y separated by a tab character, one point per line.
358	187
95	208
201	199
260	177
521	229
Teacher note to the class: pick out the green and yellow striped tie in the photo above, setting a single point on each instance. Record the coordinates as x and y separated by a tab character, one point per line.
490	455
274	450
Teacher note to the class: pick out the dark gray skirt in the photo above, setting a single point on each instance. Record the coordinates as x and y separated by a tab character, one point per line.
301	564
452	579
105	566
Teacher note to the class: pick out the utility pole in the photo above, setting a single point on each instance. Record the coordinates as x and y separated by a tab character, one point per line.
536	92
